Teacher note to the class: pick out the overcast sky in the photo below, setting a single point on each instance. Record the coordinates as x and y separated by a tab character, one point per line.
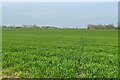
68	14
59	0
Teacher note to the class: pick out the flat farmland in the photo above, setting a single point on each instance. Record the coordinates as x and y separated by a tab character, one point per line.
59	53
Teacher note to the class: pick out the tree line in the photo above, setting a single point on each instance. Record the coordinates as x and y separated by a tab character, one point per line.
90	26
100	26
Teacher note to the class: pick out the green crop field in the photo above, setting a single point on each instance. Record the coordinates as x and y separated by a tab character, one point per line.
59	53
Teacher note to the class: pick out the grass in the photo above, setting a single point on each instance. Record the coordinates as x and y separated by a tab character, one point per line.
59	53
0	52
